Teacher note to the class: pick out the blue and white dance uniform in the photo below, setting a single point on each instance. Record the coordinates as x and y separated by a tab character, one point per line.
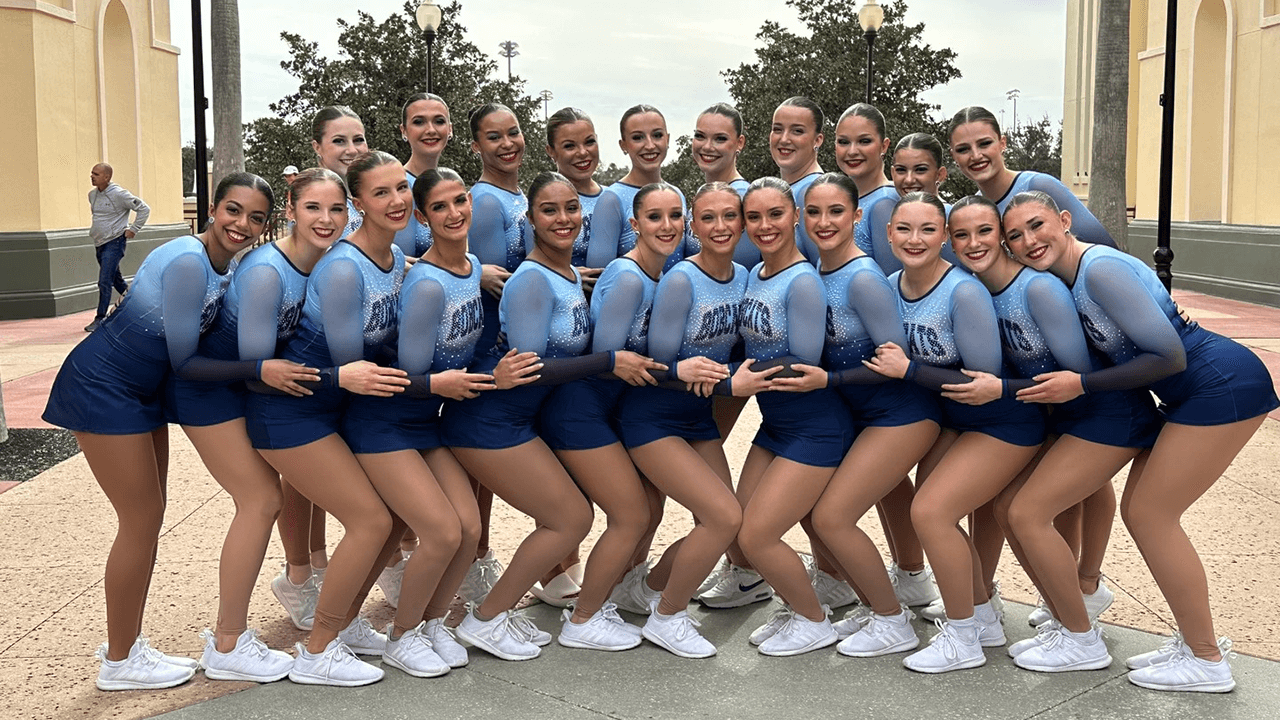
582	255
544	312
500	235
785	315
872	232
803	241
1083	224
581	415
745	253
862	314
1040	332
954	326
1129	317
112	383
693	315
440	320
349	315
611	230
415	238
354	220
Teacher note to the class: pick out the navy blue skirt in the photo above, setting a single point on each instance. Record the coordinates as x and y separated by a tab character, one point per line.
379	425
200	404
582	415
495	420
1006	419
649	413
813	428
112	383
890	404
1224	382
1121	418
279	422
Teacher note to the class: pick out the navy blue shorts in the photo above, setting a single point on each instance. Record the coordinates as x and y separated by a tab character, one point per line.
279	422
1006	419
813	428
495	420
380	425
582	415
1120	418
112	383
200	404
1224	382
890	404
652	413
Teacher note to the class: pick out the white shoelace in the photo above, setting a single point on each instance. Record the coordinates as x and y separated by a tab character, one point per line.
684	625
522	626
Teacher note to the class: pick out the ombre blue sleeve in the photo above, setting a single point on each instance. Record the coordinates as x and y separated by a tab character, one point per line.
261	294
1083	224
421	310
873	299
671	306
487	239
977	338
1120	292
806	318
183	287
528	303
606	229
341	291
617	311
1054	312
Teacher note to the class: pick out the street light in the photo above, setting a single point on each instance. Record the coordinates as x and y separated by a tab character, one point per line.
429	20
546	104
870	17
509	51
1013	95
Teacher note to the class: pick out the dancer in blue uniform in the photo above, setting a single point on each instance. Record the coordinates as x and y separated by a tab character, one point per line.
425	125
575	149
337	137
917	166
950	323
898	421
578	422
1214	394
543	311
978	146
645	141
672	435
109	391
794	139
1092	438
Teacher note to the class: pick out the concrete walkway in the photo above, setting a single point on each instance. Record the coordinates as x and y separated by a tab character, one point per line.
56	529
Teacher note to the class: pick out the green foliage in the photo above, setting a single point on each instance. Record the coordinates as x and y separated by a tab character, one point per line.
1035	146
610	175
379	64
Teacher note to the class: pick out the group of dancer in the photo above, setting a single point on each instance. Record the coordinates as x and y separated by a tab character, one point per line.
415	344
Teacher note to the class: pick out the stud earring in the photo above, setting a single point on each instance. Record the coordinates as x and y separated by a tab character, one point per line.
404	138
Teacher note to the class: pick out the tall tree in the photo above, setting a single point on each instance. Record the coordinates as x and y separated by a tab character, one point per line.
228	132
1108	197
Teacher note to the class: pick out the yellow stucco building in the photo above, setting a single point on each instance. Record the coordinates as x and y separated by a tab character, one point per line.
1226	217
85	81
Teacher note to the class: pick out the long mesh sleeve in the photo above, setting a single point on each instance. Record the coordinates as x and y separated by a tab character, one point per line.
606	229
261	294
670	314
421	310
1119	291
806	318
528	302
1054	312
341	291
183	287
617	311
487	238
1083	224
872	298
973	320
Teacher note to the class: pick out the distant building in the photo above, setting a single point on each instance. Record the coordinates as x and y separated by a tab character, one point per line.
83	82
1226	158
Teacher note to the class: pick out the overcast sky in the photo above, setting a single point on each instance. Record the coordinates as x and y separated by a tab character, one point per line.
660	52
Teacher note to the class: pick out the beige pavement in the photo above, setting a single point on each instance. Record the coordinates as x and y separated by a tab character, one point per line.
57	528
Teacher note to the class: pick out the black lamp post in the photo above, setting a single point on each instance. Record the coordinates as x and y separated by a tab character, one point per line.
1163	254
201	106
429	20
870	17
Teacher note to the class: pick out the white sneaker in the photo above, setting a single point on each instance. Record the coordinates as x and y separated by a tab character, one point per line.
389	581
524	625
1165	652
831	591
605	630
250	660
1041	614
298	600
1184	672
934	611
883	635
780	616
143	669
178	660
1099	601
362	638
678	634
414	653
446	644
914	589
955	648
1064	651
633	594
497	637
853	622
1046	630
737	587
480	579
713	579
559	592
801	635
337	665
990	623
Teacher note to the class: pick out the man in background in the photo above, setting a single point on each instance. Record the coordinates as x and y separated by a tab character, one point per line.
110	205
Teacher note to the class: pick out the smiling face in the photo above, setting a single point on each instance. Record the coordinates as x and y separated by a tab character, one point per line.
716	144
576	151
428	128
343	141
320	214
717	221
859	147
770	220
500	143
645	141
829	216
916	233
978	150
385	197
556	216
659	224
448	212
237	221
793	140
976	235
916	170
1036	235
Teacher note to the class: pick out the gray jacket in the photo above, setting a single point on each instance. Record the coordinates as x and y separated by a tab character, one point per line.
110	209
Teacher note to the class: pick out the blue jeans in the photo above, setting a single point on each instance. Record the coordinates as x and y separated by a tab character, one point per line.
109	255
